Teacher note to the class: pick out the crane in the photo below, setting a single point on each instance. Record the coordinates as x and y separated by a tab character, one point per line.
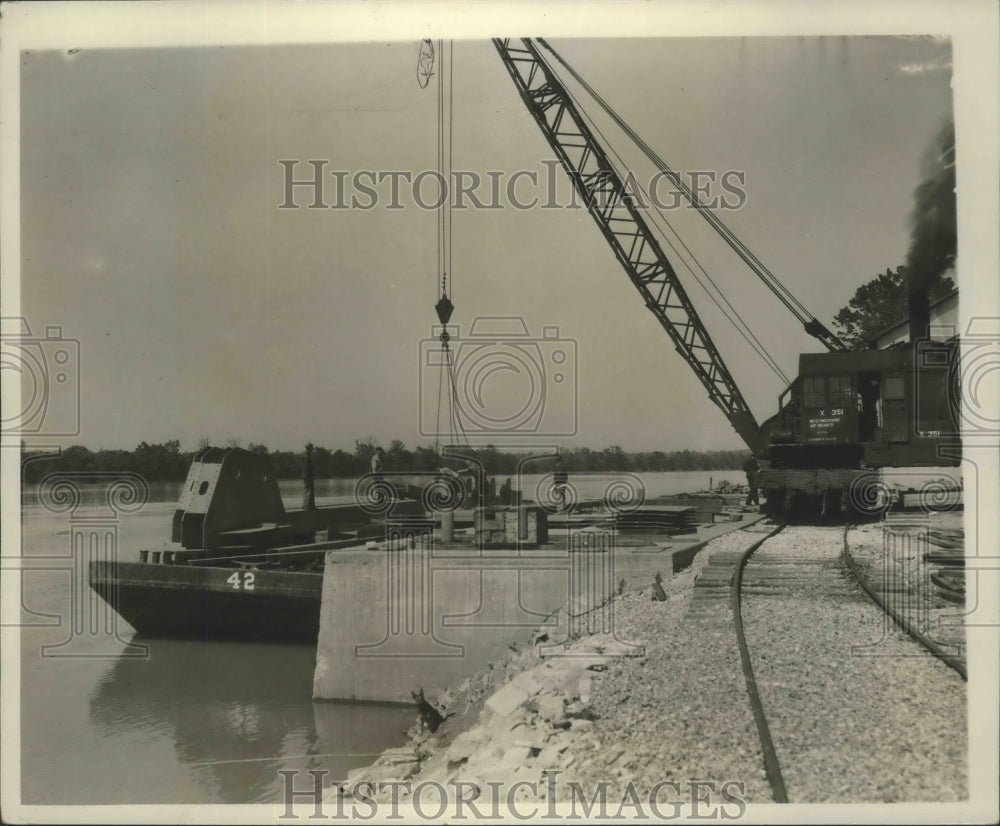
845	417
636	247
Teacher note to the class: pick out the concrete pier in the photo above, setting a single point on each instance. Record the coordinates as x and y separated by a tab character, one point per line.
426	615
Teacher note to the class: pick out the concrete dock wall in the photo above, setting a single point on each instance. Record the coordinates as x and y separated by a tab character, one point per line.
410	616
392	623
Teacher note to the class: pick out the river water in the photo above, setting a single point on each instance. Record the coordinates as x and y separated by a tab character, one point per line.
105	719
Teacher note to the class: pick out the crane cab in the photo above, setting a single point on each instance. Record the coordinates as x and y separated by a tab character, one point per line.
850	412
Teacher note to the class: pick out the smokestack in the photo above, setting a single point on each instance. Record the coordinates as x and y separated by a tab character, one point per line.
933	231
919	305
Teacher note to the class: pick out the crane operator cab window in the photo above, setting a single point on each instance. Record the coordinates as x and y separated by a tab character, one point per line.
826	391
840	392
813	391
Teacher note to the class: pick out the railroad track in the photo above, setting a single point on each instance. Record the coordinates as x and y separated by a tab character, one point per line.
897	612
831	683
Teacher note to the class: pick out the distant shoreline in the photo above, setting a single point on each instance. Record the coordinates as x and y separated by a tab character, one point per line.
167	463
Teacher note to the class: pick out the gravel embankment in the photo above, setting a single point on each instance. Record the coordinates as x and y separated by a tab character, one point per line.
858	712
679	712
676	713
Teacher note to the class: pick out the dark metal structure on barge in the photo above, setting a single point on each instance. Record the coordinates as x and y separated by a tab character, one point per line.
243	566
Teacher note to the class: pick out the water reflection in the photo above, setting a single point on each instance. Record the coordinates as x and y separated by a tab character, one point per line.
236	713
94	494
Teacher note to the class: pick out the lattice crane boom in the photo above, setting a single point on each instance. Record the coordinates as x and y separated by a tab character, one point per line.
614	210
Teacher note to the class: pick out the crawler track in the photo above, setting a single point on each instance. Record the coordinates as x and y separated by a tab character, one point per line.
832	693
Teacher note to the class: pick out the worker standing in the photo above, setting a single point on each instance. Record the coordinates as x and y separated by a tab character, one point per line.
473	489
308	481
752	469
378	462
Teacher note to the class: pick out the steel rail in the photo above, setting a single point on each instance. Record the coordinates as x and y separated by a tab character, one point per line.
951	660
771	765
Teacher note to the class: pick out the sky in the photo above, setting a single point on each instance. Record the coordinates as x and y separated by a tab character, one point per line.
151	230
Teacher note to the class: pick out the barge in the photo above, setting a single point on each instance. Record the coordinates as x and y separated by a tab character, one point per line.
207	602
241	566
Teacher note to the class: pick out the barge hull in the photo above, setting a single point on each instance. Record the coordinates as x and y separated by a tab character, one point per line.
186	601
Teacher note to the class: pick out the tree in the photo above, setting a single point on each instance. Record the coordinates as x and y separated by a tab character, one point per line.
342	464
615	458
321	462
877	304
425	459
77	458
364	449
398	456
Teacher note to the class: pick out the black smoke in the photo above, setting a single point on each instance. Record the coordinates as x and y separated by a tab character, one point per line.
933	227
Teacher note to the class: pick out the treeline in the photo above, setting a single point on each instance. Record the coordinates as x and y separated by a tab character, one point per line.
614	458
168	463
880	304
155	463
